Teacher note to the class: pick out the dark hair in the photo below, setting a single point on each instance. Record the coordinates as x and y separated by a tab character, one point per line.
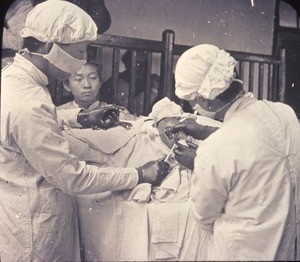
141	57
32	44
230	93
93	60
98	66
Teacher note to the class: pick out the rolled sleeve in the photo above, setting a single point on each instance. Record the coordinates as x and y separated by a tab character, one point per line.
89	179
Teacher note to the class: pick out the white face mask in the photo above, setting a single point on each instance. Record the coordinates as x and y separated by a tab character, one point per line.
213	114
62	60
203	112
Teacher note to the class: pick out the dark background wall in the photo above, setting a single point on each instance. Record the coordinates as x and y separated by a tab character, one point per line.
230	24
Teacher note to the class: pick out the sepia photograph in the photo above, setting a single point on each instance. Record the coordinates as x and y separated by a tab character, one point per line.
150	130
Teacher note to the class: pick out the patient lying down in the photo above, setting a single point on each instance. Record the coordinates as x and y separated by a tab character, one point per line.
145	141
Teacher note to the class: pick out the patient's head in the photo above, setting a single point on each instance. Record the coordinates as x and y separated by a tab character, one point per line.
85	85
170	122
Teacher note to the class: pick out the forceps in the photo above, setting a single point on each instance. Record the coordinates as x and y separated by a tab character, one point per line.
126	125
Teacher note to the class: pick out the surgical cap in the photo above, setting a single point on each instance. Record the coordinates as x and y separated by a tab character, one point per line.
203	70
59	21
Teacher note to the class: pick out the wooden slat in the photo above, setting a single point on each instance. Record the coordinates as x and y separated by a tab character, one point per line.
243	56
260	80
282	76
270	83
148	82
166	70
129	43
131	106
115	72
240	56
251	75
241	70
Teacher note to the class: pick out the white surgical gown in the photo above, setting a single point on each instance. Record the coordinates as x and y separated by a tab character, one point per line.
38	219
245	186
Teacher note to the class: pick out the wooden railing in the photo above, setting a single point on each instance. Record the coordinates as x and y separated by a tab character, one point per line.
263	75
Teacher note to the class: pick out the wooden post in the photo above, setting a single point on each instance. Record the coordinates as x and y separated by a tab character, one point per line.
167	61
115	73
282	76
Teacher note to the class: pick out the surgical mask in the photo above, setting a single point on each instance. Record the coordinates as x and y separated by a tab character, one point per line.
214	114
62	60
203	112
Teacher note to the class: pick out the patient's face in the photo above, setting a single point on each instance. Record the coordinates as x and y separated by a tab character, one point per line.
84	85
169	122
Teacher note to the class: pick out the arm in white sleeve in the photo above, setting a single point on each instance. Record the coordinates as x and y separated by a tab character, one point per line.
76	178
41	141
68	117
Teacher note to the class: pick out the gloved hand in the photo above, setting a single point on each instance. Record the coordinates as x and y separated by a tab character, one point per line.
185	155
102	117
192	128
153	172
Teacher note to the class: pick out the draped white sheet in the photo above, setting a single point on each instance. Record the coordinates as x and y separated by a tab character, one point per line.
116	229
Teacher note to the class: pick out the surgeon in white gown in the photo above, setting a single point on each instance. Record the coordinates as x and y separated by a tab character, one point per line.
245	187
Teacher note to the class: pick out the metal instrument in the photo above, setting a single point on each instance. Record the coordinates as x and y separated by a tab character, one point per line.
126	125
172	149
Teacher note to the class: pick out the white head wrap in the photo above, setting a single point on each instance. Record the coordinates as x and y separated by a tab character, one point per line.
165	108
59	21
203	70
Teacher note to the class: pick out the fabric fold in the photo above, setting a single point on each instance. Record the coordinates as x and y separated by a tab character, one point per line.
168	229
103	140
141	193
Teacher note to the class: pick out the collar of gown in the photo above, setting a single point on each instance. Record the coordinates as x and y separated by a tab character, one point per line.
31	69
239	104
